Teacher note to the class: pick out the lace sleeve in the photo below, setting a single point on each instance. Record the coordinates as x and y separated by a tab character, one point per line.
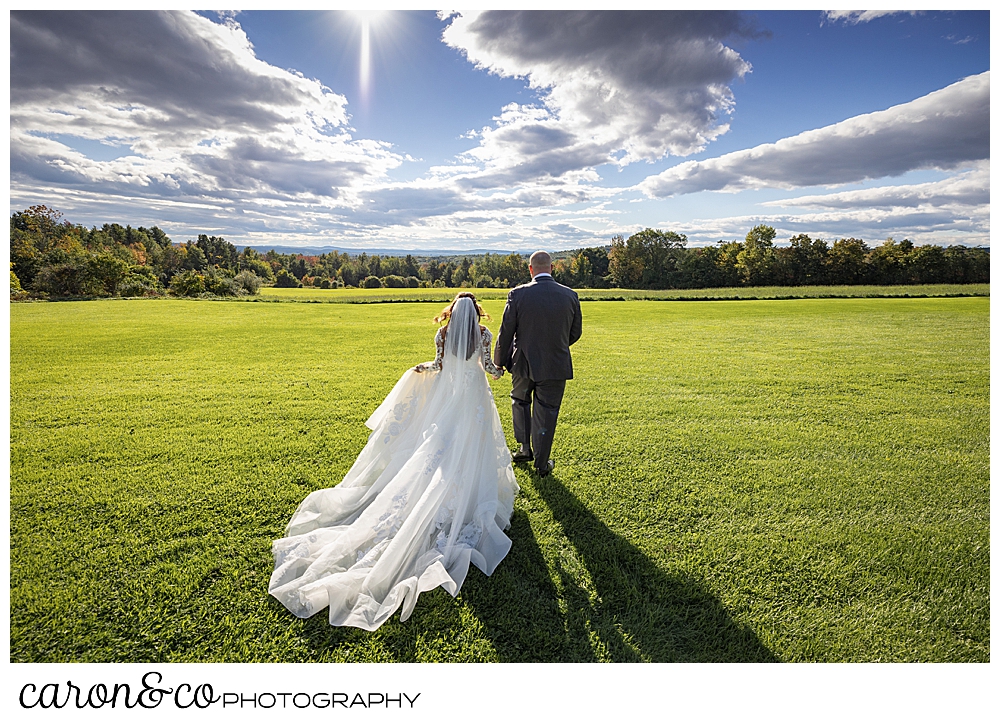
434	366
488	364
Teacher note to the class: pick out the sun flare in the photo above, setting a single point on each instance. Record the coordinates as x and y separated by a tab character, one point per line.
366	17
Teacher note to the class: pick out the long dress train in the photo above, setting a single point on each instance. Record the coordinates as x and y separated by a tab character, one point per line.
430	494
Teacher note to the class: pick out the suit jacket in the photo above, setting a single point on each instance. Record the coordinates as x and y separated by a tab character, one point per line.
540	322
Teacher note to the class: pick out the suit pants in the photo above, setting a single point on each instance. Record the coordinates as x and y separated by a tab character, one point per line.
536	423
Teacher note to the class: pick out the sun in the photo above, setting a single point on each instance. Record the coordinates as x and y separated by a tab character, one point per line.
367	16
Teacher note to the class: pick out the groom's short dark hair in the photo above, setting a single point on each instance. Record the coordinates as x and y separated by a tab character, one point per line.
540	260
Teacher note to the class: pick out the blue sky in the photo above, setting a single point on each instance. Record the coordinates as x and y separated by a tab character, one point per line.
505	130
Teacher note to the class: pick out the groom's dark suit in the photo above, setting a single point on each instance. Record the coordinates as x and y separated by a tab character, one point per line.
540	322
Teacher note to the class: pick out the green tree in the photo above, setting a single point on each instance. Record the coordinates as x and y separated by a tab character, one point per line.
647	260
347	275
187	283
115	232
700	268
15	283
967	265
726	260
285	280
928	265
107	271
65	279
461	275
218	251
514	269
140	281
846	261
447	269
755	260
156	236
194	257
250	283
297	267
887	263
410	267
625	264
430	271
38	220
250	260
35	233
219	282
589	267
809	260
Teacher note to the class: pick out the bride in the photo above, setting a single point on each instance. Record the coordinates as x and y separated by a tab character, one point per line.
430	493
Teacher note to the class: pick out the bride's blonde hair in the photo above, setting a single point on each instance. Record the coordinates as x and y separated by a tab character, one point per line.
445	314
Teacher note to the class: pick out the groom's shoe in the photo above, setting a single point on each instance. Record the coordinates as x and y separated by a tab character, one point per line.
546	469
522	456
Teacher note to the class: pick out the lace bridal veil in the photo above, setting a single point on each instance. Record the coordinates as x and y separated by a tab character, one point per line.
430	494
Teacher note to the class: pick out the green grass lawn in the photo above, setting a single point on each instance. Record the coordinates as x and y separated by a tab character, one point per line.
802	480
361	296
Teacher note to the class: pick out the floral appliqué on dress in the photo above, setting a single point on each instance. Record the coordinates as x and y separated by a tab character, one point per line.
486	337
401	414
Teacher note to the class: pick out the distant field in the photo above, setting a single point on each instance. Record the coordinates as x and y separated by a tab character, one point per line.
803	480
358	296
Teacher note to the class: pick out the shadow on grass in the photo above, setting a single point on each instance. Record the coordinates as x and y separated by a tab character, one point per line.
519	606
638	612
534	610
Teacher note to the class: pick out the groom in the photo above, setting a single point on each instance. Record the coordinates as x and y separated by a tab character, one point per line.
540	322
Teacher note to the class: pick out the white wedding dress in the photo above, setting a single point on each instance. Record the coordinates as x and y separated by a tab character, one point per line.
430	493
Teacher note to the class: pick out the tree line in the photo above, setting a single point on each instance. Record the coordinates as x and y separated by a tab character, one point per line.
653	259
336	269
51	257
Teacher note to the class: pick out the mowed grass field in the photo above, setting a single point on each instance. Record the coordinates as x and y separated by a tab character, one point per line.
368	296
802	480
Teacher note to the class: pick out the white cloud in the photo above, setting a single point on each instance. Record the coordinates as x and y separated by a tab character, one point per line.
971	188
943	225
210	139
615	87
944	129
201	115
855	17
